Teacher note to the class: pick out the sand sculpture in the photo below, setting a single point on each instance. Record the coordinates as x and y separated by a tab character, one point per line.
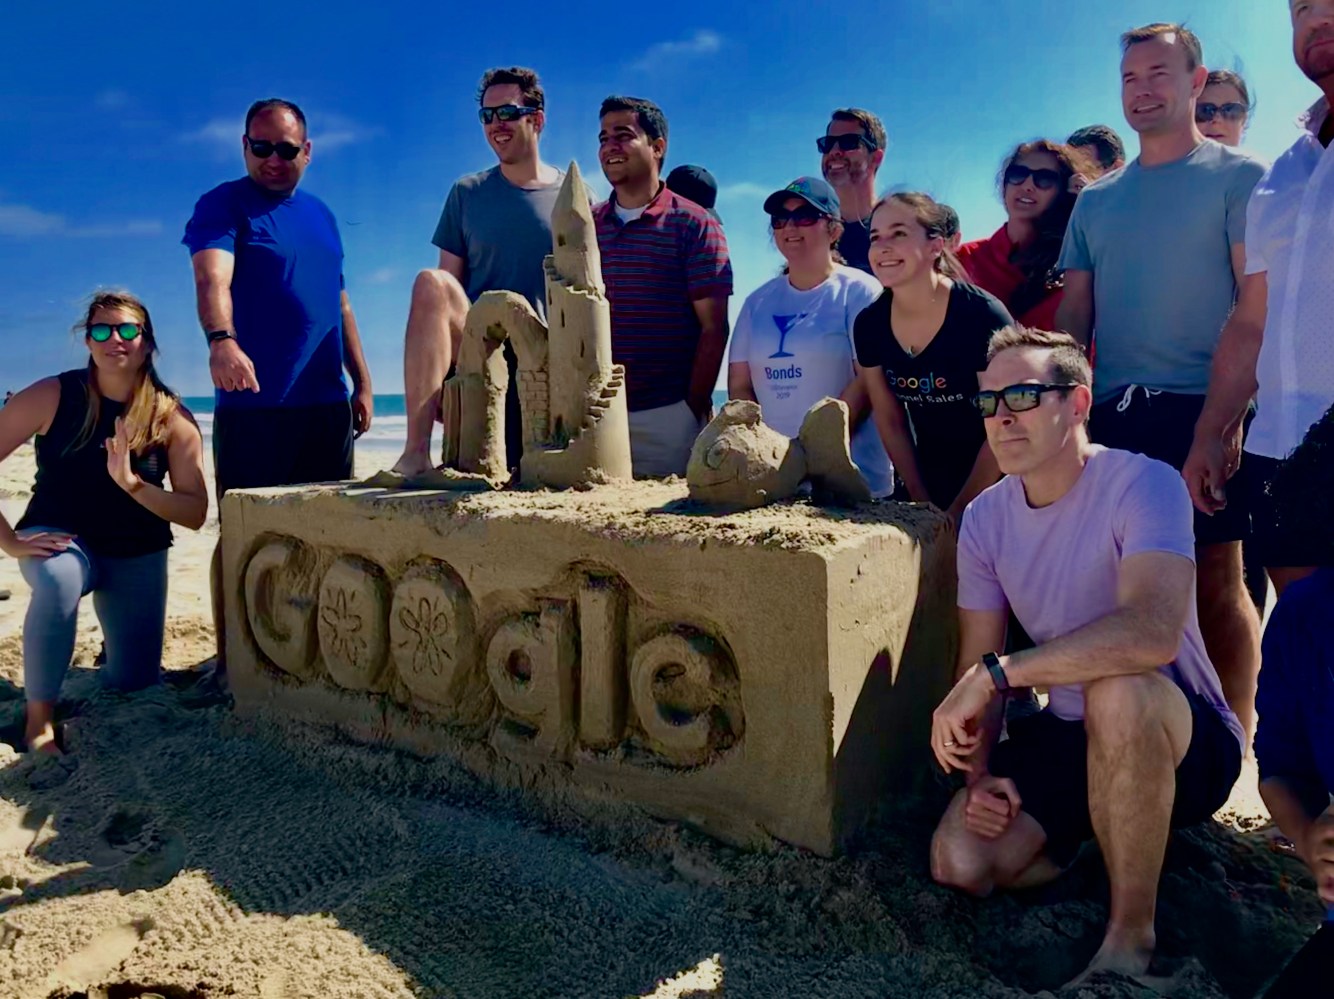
576	429
759	674
738	462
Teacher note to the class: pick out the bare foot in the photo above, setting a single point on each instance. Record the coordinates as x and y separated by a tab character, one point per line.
1123	958
413	463
44	741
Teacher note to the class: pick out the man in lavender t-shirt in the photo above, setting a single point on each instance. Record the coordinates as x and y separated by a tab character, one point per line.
1093	550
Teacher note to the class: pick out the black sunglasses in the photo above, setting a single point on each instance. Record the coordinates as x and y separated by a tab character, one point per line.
1018	398
1231	111
1044	179
846	142
800	217
506	112
262	149
101	332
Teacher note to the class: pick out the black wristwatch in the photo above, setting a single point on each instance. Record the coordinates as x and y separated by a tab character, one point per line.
213	336
993	664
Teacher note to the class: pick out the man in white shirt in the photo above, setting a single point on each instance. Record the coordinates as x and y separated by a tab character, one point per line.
1279	342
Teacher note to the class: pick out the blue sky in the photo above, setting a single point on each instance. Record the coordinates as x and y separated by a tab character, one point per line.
120	115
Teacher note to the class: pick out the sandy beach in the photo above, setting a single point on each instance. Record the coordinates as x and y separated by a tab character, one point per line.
183	852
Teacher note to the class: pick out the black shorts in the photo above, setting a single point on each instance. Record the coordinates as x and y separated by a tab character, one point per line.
1287	544
1161	425
282	446
1047	758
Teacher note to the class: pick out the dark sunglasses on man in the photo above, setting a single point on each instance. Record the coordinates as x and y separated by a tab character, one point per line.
262	149
1044	178
1231	111
802	218
847	142
101	332
1018	398
506	112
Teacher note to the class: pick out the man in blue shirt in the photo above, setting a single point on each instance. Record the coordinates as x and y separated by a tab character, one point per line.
268	266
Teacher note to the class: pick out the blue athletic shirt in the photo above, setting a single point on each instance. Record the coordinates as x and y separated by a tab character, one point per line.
285	290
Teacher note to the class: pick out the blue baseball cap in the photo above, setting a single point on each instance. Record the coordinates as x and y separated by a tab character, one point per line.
815	191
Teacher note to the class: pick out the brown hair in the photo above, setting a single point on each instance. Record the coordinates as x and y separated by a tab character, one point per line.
934	218
1038	261
871	124
520	76
1069	364
1183	36
1227	78
153	405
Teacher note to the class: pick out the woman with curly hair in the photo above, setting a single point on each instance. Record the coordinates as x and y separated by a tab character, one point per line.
1038	185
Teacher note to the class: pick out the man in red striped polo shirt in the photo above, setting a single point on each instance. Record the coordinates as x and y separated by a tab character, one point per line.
668	278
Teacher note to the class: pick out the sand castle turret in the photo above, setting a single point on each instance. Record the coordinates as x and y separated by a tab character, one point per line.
576	427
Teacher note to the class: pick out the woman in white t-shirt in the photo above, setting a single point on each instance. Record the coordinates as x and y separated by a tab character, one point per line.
792	344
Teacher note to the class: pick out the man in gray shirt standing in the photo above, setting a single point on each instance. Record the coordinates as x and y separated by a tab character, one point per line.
1153	257
493	234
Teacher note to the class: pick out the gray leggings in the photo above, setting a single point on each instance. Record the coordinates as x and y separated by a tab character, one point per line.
130	597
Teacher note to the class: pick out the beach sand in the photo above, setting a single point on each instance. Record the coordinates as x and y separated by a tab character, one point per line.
184	852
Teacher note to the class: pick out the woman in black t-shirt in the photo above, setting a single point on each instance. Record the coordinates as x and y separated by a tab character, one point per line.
99	519
920	346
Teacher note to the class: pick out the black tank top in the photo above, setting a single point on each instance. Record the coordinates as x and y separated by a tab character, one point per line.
75	493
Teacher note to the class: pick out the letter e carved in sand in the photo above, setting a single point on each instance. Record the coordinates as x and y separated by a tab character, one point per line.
686	696
354	638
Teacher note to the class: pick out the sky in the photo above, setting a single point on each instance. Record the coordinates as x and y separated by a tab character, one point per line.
121	115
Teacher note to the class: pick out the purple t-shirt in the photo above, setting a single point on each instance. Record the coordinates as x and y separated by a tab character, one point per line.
1057	566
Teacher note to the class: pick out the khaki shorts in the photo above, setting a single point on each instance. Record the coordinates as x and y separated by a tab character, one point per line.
661	439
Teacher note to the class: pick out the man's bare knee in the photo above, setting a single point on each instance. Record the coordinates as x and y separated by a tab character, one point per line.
438	291
1123	709
958	859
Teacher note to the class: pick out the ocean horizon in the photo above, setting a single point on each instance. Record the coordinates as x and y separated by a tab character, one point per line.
389	423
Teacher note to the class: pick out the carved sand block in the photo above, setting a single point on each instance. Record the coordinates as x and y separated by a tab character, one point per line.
769	673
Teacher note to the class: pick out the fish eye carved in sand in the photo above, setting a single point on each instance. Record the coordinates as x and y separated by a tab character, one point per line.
565	676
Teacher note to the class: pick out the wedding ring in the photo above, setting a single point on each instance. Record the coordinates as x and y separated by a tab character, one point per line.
949	743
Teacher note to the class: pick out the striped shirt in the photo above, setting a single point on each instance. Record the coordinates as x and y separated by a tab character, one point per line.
655	267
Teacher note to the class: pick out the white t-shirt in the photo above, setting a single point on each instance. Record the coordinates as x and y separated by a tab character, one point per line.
799	348
628	214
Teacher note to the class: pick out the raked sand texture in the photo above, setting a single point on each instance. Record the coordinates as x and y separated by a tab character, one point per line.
768	673
187	852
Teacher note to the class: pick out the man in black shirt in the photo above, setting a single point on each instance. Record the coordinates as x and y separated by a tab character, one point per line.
851	151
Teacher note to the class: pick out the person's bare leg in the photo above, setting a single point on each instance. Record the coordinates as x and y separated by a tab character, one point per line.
434	332
1139	728
1230	626
970	863
39	728
1284	576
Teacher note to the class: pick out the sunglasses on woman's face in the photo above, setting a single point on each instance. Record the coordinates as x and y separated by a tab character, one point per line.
1231	111
846	142
101	332
1044	179
262	149
1018	398
802	218
506	112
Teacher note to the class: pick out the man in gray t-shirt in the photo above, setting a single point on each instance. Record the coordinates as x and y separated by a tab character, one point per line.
493	234
1153	256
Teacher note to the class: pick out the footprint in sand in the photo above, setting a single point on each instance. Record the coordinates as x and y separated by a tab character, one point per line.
143	853
95	960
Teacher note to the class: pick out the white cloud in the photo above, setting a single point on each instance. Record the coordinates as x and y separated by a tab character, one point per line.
746	190
382	276
26	222
112	100
327	132
701	43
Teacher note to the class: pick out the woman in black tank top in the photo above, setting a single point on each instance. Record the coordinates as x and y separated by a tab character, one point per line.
99	521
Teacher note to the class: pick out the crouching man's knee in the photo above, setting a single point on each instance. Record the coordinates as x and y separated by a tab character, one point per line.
957	862
438	290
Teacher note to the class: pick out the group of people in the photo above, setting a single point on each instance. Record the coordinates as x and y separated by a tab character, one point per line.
1073	392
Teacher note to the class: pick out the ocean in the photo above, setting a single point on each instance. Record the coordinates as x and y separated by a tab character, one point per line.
389	424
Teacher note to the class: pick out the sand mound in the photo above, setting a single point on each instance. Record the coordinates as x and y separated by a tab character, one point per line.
182	853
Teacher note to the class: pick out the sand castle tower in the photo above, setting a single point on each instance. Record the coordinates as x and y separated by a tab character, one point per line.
576	427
